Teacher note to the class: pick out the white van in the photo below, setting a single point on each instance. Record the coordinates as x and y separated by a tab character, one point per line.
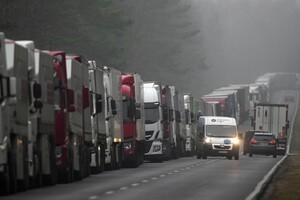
218	137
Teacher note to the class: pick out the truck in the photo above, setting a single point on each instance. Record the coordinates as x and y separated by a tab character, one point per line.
168	139
189	123
80	118
8	146
133	119
112	81
174	121
181	142
219	137
63	106
210	108
20	165
153	121
273	118
98	140
45	157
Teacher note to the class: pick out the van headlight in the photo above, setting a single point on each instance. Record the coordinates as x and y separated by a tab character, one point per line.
207	140
235	141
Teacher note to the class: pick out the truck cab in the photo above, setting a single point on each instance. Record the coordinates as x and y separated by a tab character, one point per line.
153	121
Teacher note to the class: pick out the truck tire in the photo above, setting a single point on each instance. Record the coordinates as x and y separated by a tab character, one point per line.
204	156
23	184
250	155
199	156
237	157
229	157
96	169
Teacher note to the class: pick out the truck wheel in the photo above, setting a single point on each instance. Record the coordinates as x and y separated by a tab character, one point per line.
204	156
12	170
244	152
229	157
237	157
250	155
274	155
23	184
199	156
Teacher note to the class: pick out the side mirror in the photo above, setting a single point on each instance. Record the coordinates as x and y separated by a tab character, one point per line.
38	104
287	125
114	112
98	103
138	114
37	90
85	94
113	104
138	105
70	96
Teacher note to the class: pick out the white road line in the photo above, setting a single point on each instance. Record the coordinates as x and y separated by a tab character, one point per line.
124	188
170	173
145	181
135	184
109	192
154	178
93	197
176	171
162	175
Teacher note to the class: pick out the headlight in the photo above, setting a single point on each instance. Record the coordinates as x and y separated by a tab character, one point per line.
58	152
207	140
235	141
127	145
156	148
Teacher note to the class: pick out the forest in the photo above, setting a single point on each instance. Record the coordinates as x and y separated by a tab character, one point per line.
197	45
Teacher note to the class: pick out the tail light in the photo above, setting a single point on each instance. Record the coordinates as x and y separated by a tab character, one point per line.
253	141
272	142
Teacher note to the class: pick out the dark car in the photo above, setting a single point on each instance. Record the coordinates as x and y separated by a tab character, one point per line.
263	143
247	137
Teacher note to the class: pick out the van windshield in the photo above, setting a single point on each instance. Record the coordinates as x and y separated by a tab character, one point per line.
221	131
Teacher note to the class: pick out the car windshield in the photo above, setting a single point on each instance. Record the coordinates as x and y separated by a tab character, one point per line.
221	131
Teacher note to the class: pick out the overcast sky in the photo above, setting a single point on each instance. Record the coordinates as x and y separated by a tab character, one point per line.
246	38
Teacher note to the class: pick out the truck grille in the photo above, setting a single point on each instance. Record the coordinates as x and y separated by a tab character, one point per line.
148	146
149	134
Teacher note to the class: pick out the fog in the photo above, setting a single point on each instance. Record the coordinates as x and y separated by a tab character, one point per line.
196	45
243	39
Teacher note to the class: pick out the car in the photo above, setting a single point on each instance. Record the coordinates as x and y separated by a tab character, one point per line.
246	139
263	143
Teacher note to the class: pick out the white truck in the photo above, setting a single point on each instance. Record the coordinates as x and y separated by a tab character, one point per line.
153	121
98	139
189	123
273	118
218	137
112	80
20	110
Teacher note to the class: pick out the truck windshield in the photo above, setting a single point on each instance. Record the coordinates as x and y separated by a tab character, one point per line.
151	113
221	131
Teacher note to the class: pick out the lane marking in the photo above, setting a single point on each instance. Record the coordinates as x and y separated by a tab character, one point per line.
93	197
109	192
135	184
162	175
145	181
154	178
124	188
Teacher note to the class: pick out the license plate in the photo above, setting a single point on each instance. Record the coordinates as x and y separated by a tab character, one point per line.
222	151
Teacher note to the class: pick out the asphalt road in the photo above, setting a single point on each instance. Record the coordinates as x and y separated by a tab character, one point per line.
184	178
